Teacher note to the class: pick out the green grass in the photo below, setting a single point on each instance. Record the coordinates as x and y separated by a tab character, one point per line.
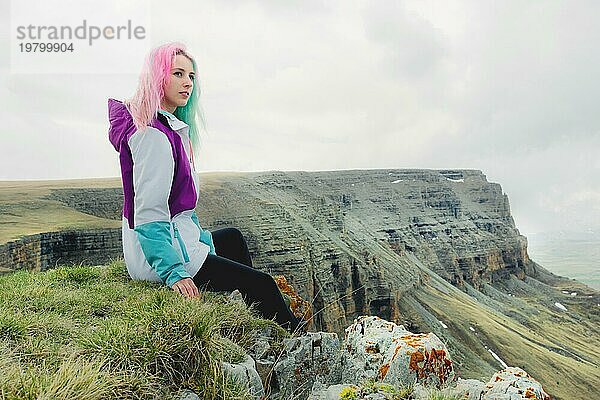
391	392
24	210
371	386
93	333
435	394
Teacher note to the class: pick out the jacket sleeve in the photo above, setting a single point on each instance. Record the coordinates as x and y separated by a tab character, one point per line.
153	170
205	235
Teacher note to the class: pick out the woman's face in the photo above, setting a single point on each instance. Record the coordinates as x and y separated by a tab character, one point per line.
179	89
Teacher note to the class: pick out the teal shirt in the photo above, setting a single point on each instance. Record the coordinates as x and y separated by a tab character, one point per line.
155	239
205	235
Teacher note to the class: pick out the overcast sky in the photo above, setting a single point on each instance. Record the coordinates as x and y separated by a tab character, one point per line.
510	88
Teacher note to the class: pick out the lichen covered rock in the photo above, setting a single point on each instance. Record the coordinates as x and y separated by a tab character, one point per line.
378	349
300	307
313	357
508	384
515	383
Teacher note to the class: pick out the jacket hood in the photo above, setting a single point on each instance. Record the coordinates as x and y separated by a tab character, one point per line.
121	123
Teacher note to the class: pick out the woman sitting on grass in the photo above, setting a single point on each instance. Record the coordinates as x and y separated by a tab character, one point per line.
156	135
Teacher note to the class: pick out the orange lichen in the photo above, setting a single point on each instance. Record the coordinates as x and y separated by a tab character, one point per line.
383	370
415	359
414	340
530	394
395	352
434	362
300	307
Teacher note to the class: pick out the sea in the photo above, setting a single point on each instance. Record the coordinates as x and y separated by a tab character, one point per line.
571	254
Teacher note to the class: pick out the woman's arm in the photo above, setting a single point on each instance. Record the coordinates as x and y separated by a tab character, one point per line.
153	169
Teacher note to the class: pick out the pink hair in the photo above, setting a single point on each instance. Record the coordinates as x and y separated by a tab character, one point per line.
155	76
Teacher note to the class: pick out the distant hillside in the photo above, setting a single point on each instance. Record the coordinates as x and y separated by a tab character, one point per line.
435	250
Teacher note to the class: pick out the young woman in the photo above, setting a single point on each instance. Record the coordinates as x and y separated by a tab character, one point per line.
156	135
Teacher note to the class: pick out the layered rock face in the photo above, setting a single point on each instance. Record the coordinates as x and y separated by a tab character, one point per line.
454	221
46	250
433	250
350	239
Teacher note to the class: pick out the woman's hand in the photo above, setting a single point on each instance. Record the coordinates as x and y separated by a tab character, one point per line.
186	287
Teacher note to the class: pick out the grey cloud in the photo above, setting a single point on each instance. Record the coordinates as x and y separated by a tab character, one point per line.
532	82
412	46
505	87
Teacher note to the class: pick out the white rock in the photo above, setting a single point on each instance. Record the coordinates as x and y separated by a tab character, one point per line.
236	295
498	359
514	383
245	373
508	384
306	360
470	389
187	395
560	306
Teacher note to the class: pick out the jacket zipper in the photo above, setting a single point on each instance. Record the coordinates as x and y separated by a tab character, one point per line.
181	243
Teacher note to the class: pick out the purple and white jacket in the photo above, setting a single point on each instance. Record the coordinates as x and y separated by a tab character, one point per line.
162	238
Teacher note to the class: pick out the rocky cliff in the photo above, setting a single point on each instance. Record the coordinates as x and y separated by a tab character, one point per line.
45	250
433	250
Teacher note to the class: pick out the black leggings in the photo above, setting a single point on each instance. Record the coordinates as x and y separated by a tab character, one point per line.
232	269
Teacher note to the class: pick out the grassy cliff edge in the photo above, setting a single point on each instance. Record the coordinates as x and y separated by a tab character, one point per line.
92	333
